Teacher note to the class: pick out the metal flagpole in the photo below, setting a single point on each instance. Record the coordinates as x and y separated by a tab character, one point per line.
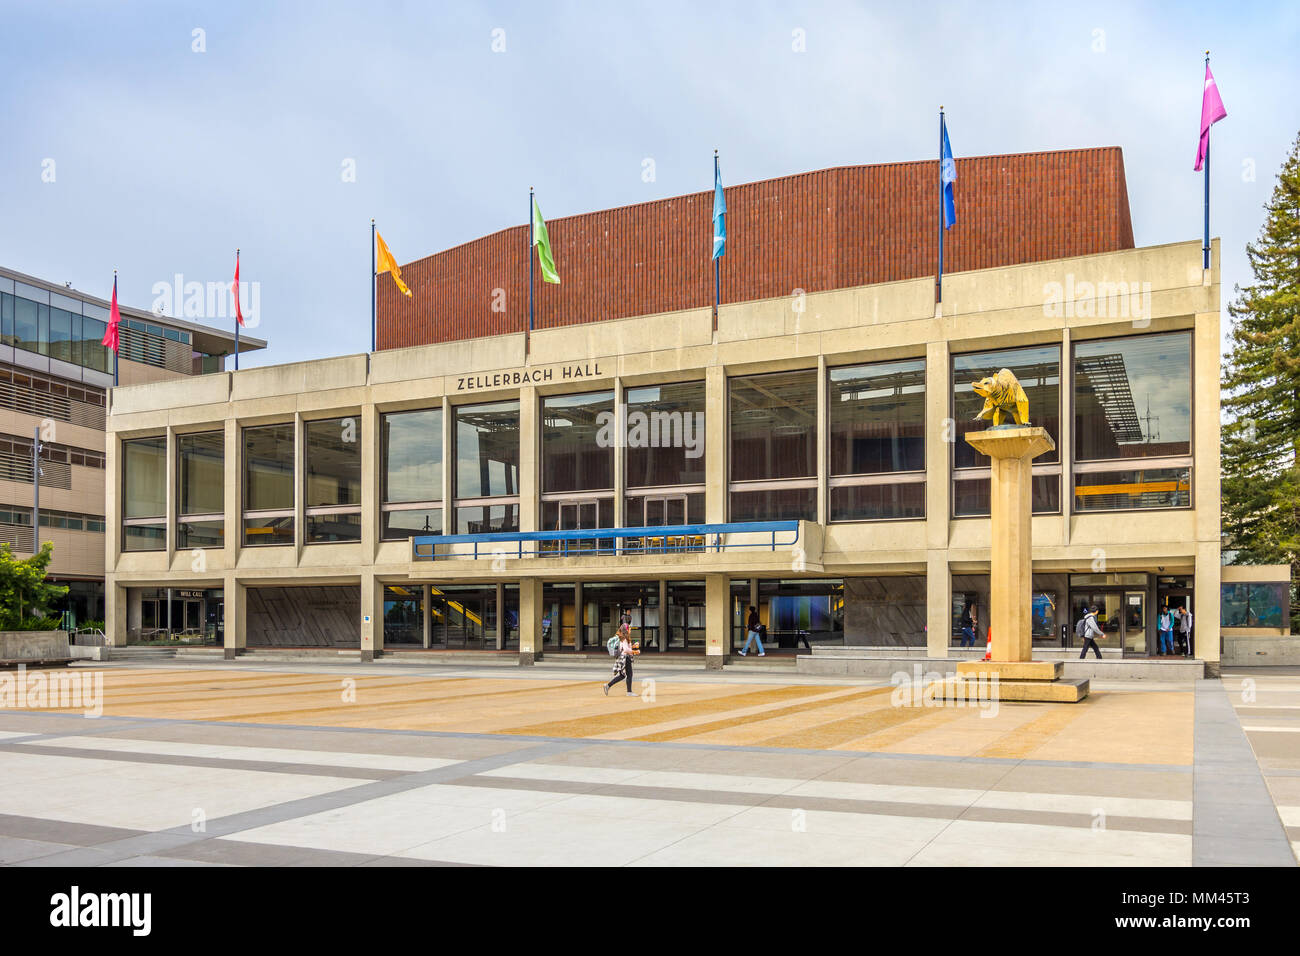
36	489
938	282
236	317
373	282
119	331
1206	249
717	260
531	240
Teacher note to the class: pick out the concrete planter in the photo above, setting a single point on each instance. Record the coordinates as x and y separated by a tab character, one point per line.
30	647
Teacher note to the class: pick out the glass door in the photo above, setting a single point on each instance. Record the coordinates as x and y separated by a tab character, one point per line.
1135	624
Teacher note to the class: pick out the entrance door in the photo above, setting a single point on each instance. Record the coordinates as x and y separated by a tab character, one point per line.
1135	624
579	515
664	511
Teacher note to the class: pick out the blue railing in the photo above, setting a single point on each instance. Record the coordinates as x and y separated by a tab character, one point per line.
665	539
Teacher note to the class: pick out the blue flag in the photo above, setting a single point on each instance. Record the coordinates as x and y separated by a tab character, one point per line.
719	214
948	176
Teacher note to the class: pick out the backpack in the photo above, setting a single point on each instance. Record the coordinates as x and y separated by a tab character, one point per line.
1081	629
612	646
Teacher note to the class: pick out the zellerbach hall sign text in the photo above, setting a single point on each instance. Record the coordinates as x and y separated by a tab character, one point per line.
528	376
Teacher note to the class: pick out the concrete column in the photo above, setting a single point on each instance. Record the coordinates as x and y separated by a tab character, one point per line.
530	620
371	480
529	460
940	432
425	615
717	595
579	617
372	607
663	615
1206	609
1066	448
232	493
501	616
169	456
620	455
299	487
448	466
715	444
823	436
115	603
235	599
112	508
938	602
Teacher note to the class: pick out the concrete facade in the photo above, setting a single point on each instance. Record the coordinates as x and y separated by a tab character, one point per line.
982	310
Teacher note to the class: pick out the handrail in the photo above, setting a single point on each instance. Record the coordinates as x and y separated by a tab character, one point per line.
691	538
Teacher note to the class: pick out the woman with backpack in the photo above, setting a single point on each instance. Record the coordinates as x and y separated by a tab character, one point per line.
623	666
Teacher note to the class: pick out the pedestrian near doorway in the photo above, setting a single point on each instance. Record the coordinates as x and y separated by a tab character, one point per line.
1165	625
753	626
623	666
967	626
1185	626
1089	630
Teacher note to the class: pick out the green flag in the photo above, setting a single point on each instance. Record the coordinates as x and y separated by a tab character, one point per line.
543	243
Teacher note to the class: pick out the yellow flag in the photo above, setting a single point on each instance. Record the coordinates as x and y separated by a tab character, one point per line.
386	263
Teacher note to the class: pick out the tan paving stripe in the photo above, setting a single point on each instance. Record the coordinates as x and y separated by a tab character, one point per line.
190	694
833	734
693	730
893	736
595	726
1024	740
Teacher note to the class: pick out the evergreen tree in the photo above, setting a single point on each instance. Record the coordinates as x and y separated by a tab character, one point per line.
25	595
1261	380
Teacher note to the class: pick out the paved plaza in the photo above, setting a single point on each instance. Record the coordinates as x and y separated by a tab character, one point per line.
426	764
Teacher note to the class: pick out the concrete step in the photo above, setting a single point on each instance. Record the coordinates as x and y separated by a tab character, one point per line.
141	653
885	668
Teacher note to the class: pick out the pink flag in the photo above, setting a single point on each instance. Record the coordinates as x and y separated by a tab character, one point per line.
239	312
114	320
1211	112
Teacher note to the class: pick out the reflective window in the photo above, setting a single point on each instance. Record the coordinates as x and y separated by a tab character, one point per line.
268	485
332	476
665	435
774	426
877	418
487	450
1255	604
412	455
144	494
200	498
578	438
1132	397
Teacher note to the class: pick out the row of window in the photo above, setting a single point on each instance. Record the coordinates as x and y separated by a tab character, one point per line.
50	518
36	382
1132	449
51	451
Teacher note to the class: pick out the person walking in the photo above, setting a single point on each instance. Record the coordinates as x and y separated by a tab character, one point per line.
623	666
967	627
752	625
1185	626
1091	631
1165	625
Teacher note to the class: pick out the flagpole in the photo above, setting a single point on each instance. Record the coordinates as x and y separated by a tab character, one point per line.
236	314
531	240
938	282
1206	248
373	276
717	260
119	341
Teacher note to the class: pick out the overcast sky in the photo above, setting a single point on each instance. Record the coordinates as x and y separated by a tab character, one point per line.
166	159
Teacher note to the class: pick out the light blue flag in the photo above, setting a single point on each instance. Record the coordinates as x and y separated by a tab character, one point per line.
948	176
719	214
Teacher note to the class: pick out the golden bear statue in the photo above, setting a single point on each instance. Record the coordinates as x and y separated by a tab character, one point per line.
1003	398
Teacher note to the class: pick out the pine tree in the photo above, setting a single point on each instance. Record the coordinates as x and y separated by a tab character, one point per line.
1261	380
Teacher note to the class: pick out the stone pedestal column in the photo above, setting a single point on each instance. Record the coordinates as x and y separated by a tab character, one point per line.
1012	450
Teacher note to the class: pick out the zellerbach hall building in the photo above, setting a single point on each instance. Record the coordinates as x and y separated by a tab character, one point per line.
470	486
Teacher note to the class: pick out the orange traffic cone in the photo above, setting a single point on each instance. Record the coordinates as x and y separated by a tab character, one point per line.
988	651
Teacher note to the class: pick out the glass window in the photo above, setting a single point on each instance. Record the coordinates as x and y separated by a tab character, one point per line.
786	504
6	318
1255	604
1039	372
144	494
61	334
333	479
333	467
878	502
481	519
398	524
578	442
268	484
774	426
412	455
665	435
200	490
26	325
877	418
1133	490
1132	397
487	450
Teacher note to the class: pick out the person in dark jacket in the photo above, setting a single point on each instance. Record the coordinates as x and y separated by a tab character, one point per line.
752	625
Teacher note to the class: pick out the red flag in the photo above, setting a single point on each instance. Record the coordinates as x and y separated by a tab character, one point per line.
239	312
114	319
